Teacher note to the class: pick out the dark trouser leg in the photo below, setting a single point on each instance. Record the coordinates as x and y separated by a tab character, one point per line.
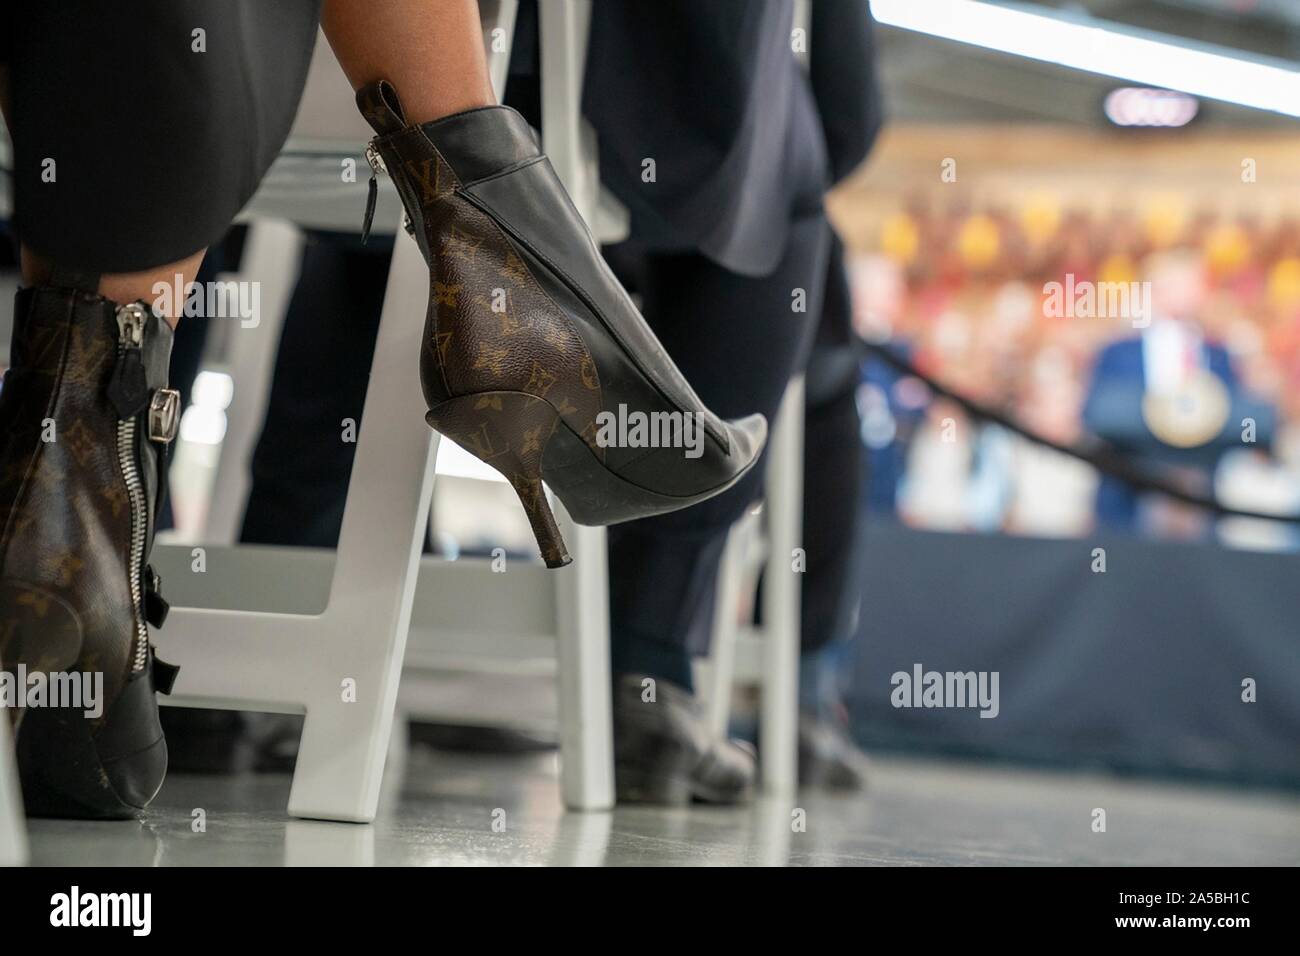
832	476
833	462
832	479
833	472
302	463
738	341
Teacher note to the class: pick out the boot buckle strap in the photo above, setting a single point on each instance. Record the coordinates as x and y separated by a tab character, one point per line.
164	415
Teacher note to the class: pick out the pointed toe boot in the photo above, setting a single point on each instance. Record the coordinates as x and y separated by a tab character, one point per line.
535	359
85	420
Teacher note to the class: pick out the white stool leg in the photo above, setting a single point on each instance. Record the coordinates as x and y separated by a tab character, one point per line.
308	843
722	664
273	251
564	27
586	723
498	18
363	632
781	585
339	667
13	835
586	718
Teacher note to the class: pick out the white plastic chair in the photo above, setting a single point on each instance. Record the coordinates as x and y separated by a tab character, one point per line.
339	667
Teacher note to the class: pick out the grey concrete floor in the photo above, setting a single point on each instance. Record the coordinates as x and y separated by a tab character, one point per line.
441	809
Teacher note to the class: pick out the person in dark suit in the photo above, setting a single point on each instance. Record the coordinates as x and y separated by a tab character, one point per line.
1168	357
1113	411
742	280
747	143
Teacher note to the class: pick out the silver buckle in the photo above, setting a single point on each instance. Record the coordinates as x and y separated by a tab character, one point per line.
164	415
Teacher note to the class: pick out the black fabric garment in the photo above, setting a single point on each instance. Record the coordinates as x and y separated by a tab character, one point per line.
742	140
713	96
832	480
833	469
1139	668
301	464
841	66
156	146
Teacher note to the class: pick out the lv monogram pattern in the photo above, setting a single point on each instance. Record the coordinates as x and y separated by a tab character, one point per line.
64	515
490	326
522	304
502	366
509	431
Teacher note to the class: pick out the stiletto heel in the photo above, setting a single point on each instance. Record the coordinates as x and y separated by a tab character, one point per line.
509	431
524	315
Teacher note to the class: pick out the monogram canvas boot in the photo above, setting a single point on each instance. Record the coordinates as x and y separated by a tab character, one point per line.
534	358
85	421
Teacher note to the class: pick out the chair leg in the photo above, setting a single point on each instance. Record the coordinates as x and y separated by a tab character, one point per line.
362	637
564	26
722	664
498	17
780	709
586	721
308	843
341	667
586	709
13	835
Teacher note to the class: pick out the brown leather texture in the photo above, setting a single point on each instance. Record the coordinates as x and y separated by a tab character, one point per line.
65	521
509	431
490	326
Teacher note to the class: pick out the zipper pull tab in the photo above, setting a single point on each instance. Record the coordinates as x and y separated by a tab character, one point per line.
372	191
128	387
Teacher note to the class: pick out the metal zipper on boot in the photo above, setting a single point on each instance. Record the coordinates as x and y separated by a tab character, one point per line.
372	190
377	166
131	320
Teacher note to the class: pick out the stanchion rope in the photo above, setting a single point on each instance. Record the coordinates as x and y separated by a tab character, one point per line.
1096	451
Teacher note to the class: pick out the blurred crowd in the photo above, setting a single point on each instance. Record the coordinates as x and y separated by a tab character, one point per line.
963	290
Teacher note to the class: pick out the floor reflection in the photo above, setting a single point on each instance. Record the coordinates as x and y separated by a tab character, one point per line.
452	809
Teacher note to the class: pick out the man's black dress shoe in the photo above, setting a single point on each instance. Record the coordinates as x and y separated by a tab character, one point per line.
664	753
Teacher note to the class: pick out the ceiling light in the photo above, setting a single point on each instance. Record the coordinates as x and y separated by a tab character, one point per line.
1148	58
